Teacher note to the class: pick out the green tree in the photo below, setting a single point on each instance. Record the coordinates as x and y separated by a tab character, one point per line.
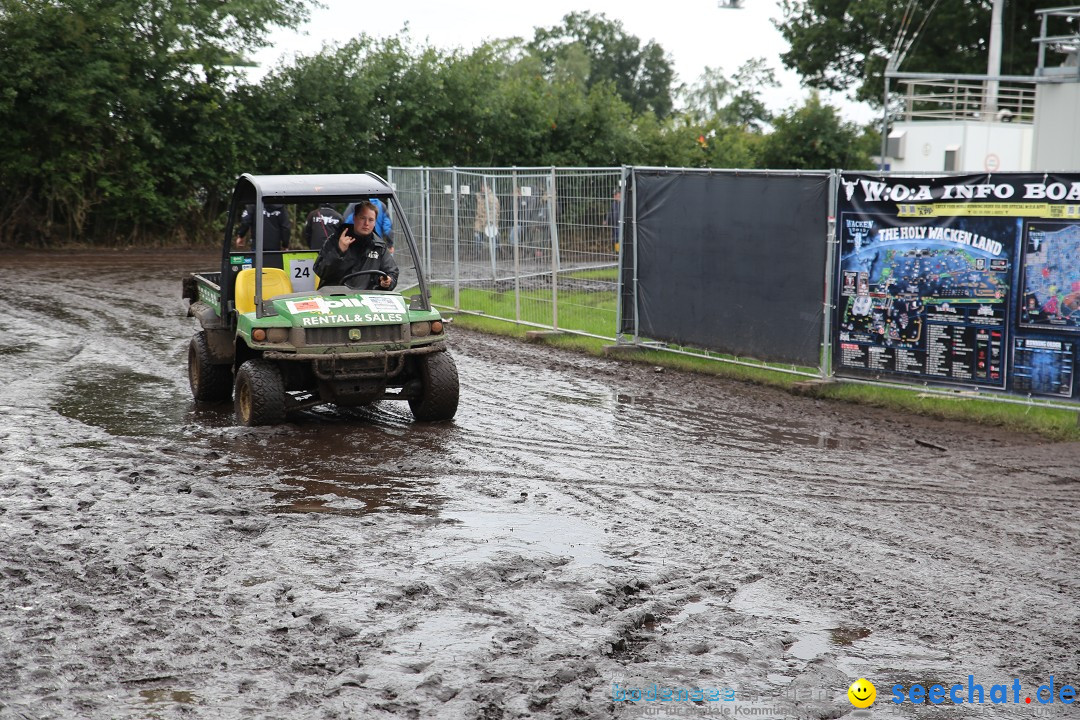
378	102
641	75
116	112
813	137
736	101
846	45
707	97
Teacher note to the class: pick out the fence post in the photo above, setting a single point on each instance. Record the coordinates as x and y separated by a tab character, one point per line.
552	204
425	218
457	268
831	242
619	260
515	242
637	311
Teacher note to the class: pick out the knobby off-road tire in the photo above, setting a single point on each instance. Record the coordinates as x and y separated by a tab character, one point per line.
209	382
439	399
259	397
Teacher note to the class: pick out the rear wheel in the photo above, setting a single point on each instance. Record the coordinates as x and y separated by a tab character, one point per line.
259	397
209	382
439	398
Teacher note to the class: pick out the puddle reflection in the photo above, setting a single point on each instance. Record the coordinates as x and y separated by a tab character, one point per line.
362	461
122	402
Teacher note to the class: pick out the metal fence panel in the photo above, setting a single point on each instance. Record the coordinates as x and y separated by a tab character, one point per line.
533	245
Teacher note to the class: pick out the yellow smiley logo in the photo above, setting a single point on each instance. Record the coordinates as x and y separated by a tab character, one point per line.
862	693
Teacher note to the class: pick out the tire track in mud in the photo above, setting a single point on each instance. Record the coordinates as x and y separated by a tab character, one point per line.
774	547
584	521
905	537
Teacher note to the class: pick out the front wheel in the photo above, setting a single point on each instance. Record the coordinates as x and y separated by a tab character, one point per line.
209	382
439	398
259	397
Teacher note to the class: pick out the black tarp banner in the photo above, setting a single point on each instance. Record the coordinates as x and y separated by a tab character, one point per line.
972	280
729	261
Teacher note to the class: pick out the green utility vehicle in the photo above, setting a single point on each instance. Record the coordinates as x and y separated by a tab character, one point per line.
276	341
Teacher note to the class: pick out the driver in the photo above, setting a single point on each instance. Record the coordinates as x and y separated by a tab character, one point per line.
357	248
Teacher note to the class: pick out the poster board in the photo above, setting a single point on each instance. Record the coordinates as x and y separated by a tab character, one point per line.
959	280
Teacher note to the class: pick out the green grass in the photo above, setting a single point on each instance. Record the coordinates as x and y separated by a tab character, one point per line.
495	326
590	312
660	358
1050	423
606	274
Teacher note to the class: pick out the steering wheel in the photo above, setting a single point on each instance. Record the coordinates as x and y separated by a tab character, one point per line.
380	273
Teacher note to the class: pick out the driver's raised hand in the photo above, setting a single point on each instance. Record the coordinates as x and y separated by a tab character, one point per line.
345	240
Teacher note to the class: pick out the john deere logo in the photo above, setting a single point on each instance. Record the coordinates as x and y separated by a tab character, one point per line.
354	334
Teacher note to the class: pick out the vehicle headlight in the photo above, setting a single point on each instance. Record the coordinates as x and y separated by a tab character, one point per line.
278	335
421	329
436	326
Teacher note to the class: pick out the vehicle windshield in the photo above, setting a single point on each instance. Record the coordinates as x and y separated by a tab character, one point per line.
295	232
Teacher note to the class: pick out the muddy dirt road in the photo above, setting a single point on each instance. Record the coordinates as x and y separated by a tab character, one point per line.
585	528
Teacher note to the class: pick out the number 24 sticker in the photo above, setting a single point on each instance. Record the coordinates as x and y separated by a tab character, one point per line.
302	274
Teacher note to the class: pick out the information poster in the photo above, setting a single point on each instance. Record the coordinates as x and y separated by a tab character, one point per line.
1043	366
1051	276
926	272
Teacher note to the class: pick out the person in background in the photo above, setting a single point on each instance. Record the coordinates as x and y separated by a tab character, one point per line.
384	226
486	223
276	226
322	224
529	211
357	247
612	219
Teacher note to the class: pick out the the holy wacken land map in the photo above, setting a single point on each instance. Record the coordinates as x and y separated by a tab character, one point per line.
928	300
1051	279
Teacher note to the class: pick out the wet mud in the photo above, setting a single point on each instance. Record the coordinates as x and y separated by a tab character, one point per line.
584	527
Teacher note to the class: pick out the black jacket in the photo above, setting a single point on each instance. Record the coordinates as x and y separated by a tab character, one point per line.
321	225
276	225
367	253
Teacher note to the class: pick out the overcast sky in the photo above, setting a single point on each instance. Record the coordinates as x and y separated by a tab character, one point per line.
694	33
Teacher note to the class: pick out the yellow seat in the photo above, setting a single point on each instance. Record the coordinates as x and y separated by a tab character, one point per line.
275	281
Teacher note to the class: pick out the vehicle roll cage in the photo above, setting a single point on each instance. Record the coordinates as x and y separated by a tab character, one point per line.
306	189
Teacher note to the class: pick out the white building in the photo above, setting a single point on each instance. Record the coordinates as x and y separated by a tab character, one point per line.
990	123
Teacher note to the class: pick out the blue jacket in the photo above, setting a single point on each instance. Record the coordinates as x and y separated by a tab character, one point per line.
384	227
